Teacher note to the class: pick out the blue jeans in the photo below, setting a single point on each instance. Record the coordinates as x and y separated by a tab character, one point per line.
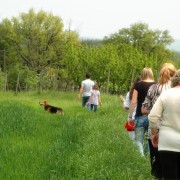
141	127
94	106
85	99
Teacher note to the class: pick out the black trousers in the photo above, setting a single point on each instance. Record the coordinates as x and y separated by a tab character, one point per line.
170	162
156	169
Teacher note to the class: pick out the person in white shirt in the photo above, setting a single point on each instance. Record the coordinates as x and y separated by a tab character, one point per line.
95	99
167	108
85	89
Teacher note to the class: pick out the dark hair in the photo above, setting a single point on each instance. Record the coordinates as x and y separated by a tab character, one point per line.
132	87
88	75
175	81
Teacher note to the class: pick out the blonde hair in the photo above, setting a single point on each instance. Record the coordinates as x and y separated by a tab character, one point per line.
95	87
175	81
166	73
147	74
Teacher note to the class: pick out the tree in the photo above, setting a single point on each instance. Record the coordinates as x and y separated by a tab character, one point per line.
140	36
35	38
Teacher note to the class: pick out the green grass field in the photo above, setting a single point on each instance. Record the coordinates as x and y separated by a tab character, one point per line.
79	145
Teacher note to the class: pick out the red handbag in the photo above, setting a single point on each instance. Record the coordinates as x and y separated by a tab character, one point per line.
129	127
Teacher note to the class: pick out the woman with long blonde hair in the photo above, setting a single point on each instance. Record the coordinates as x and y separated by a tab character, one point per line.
164	82
139	94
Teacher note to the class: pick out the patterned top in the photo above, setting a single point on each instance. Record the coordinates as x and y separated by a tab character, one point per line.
95	94
153	93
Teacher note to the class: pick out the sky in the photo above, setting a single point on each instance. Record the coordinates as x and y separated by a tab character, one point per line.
96	19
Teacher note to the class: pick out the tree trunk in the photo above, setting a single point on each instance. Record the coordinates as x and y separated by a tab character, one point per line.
17	85
107	87
5	82
132	78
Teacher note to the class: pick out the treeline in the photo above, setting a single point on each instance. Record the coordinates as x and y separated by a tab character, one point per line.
36	53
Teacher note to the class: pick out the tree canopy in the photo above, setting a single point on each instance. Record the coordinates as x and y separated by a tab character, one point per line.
38	53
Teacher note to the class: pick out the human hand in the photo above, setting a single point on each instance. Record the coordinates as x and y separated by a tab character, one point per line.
154	140
144	110
130	121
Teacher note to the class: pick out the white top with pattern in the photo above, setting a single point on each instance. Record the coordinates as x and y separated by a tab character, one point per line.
94	95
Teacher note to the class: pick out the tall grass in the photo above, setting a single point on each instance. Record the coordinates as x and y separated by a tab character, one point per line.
79	145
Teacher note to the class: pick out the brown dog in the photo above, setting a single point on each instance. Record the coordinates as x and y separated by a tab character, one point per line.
51	109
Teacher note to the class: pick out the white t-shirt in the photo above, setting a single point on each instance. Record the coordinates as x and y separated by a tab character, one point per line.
95	94
87	85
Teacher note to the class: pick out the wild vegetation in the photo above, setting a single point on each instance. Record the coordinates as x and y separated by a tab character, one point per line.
79	145
36	53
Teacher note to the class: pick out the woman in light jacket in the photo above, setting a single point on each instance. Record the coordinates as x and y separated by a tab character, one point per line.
167	108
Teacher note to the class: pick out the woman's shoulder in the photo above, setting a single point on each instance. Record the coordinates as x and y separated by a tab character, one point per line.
154	86
141	84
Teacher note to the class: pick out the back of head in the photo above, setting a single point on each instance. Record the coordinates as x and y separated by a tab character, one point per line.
175	81
88	76
95	87
147	74
166	73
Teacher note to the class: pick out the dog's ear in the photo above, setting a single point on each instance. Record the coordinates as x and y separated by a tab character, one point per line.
45	102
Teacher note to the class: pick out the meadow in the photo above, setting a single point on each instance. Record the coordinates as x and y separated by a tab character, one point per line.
78	145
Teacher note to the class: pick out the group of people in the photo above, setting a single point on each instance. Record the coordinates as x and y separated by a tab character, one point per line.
90	94
154	107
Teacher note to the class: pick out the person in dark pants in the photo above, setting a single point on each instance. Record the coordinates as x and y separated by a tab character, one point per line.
85	89
167	139
166	73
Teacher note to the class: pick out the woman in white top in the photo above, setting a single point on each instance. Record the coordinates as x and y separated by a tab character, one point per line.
167	107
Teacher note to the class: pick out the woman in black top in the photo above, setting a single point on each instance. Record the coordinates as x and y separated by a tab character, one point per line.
139	94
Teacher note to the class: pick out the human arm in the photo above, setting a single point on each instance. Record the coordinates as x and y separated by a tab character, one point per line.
99	99
80	92
153	117
90	99
122	101
132	105
148	102
144	107
125	102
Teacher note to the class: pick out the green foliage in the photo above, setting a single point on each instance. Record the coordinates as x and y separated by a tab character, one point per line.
140	36
34	37
79	145
40	55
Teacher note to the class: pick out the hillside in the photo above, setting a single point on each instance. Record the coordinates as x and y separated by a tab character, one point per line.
175	46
